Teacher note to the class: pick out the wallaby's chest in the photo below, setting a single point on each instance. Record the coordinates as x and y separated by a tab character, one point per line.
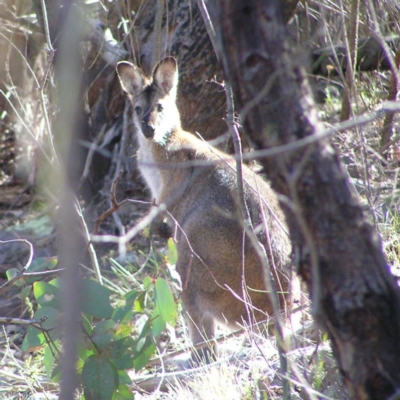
150	171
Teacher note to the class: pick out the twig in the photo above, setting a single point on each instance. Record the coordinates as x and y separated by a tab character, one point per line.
46	26
115	205
158	28
351	40
386	107
123	240
90	247
27	264
20	321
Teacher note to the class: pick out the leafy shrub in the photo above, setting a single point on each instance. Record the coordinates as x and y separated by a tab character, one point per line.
114	337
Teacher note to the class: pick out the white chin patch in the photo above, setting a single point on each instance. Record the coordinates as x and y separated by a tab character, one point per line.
163	130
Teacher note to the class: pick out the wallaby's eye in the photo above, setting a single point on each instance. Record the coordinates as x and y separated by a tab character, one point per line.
138	110
159	107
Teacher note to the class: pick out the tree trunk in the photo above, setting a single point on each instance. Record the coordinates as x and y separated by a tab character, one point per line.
338	253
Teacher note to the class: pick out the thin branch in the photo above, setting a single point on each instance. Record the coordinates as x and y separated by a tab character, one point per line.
115	205
20	321
46	27
90	247
27	264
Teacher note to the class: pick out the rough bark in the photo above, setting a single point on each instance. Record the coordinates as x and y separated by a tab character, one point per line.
338	253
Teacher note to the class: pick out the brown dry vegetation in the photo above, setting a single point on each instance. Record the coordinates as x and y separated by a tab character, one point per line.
125	30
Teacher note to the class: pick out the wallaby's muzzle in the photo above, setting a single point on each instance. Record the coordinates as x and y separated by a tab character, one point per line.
148	130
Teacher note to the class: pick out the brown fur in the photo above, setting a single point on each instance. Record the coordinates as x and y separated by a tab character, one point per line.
202	200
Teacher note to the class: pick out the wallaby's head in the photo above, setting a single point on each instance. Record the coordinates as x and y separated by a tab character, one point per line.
153	98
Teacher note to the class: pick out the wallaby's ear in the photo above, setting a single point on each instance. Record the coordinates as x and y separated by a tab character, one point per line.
130	77
165	74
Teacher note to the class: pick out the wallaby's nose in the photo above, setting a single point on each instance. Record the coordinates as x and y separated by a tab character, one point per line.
148	130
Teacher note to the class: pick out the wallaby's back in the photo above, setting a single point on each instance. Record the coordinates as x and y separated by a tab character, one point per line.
221	273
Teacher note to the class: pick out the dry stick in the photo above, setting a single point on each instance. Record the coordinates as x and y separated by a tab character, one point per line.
390	106
118	171
386	107
387	130
26	266
115	205
360	132
46	26
394	62
394	67
19	321
351	49
248	229
29	130
89	245
50	62
92	149
377	35
158	28
243	209
26	275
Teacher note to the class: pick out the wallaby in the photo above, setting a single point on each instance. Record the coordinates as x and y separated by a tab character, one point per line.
221	274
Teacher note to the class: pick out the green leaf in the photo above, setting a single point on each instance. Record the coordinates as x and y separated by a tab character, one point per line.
158	324
140	302
25	292
172	252
124	378
122	393
122	314
49	358
143	358
148	283
87	325
164	301
41	264
174	277
124	329
104	326
143	328
131	296
47	295
11	273
99	378
84	349
120	353
96	299
38	227
34	338
56	375
48	317
103	333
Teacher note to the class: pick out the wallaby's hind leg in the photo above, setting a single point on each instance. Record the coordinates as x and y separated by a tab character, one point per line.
201	327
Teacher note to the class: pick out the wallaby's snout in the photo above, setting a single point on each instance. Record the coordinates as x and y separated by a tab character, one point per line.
148	126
